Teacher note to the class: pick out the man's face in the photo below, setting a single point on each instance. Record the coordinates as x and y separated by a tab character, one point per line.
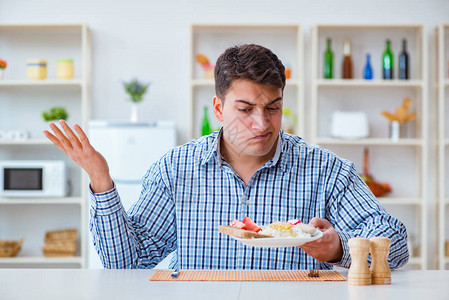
251	116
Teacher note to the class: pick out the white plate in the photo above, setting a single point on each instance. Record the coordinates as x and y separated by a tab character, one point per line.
280	242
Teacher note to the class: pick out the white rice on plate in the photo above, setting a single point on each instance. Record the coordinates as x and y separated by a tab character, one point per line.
286	230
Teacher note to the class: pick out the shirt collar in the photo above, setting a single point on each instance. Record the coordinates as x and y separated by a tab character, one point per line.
212	148
213	151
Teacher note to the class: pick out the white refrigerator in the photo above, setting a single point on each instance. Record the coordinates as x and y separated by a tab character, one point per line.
129	149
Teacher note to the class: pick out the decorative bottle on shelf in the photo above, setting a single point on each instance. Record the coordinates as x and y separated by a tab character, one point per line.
347	61
205	127
368	71
328	61
387	61
403	61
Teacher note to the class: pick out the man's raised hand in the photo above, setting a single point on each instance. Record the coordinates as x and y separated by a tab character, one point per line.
78	149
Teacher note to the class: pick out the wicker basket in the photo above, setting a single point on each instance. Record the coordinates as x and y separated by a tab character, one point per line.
10	248
60	243
378	189
64	235
59	249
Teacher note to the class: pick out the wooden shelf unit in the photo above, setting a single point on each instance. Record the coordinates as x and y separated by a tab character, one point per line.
19	42
372	96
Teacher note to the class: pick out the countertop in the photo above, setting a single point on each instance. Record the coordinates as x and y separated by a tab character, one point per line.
134	284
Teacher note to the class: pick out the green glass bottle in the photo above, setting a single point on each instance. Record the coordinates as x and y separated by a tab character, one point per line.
387	61
328	61
205	126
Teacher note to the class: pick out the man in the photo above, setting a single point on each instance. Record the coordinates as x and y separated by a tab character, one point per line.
249	168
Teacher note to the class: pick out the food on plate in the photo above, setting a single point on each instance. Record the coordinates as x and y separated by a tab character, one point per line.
286	229
294	221
249	229
247	224
241	233
306	228
250	225
237	224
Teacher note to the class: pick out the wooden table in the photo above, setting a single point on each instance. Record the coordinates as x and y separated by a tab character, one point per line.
133	284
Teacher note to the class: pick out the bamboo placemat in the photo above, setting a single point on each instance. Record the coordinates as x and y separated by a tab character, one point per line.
240	275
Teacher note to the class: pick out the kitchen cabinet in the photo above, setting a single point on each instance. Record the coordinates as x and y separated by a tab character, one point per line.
402	163
21	104
442	165
285	40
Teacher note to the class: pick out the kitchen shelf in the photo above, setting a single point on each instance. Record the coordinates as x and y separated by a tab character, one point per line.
399	201
371	97
39	201
42	26
369	142
375	83
363	28
211	39
25	142
44	82
24	105
26	260
441	99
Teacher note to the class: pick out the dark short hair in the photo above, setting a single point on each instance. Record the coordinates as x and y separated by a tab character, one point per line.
252	62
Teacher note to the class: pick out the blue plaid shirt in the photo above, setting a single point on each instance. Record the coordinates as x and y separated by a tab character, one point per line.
191	190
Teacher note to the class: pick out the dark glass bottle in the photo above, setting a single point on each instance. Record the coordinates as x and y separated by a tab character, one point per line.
387	61
347	61
368	71
205	127
403	61
328	61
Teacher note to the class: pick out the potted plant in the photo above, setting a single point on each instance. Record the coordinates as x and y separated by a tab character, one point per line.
3	65
55	113
136	91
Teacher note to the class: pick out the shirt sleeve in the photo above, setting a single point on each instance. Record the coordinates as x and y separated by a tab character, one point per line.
355	212
140	238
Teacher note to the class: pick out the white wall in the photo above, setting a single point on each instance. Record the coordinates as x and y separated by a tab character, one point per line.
150	39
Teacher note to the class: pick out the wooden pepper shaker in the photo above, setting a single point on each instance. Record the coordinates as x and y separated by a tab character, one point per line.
359	273
380	271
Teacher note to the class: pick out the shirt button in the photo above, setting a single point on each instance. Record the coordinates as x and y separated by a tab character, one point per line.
247	202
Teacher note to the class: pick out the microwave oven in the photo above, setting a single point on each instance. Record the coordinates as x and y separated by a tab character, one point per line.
32	178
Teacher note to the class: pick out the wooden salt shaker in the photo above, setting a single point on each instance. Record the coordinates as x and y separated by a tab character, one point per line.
380	271
359	273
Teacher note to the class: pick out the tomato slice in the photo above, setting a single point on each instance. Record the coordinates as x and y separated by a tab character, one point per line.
294	221
237	224
251	225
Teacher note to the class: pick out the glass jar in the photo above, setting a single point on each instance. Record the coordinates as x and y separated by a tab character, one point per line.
36	69
64	69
